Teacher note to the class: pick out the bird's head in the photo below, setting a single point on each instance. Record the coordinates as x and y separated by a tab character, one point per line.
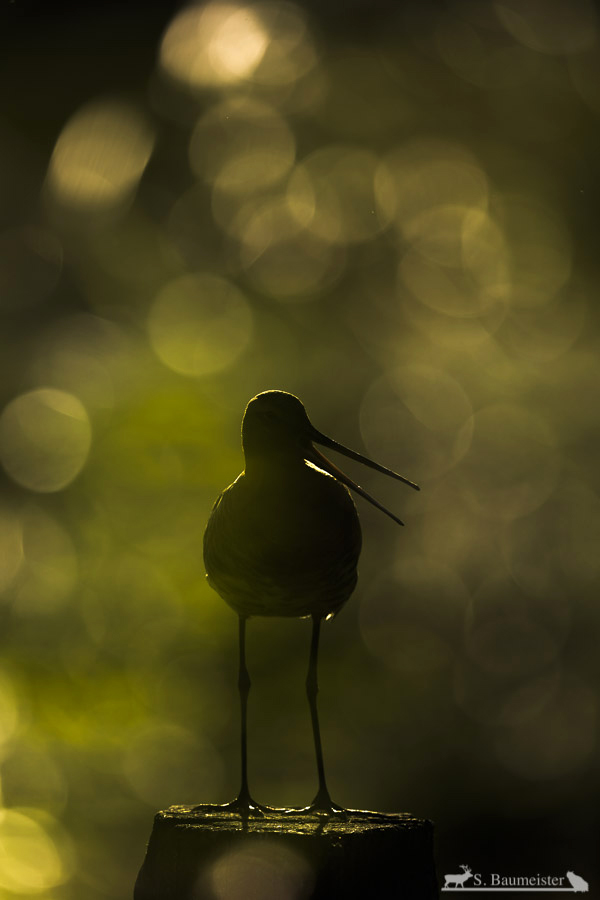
276	427
275	422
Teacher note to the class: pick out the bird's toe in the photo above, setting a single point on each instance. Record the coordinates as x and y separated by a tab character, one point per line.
245	806
322	805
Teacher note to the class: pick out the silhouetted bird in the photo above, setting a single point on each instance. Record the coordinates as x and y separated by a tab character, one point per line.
284	540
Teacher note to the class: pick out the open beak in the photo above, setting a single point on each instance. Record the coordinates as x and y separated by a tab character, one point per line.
316	457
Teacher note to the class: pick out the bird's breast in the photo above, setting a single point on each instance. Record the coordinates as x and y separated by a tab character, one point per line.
284	546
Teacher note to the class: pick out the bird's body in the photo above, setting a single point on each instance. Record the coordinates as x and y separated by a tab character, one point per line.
284	545
284	540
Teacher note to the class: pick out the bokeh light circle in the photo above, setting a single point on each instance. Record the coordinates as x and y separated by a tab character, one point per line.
494	701
584	69
423	175
511	645
50	566
33	776
407	619
289	54
425	402
433	396
100	156
199	324
45	437
549	26
512	463
558	740
261	868
213	45
242	145
540	250
340	181
30	861
223	44
481	55
298	267
163	762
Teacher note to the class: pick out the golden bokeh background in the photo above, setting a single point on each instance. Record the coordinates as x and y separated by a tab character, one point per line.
391	211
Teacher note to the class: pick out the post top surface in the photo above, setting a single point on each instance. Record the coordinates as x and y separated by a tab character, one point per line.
213	817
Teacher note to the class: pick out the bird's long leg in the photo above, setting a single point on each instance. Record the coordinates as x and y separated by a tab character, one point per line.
244	802
322	802
244	689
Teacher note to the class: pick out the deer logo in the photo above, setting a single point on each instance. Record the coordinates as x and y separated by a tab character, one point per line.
458	880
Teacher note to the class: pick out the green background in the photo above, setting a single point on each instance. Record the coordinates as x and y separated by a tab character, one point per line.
389	210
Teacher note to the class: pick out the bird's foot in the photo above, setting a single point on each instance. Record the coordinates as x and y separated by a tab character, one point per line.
322	805
328	809
244	806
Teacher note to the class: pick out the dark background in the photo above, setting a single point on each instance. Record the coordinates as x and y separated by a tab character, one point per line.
445	322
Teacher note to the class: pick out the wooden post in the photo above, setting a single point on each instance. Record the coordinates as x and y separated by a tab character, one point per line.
207	853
